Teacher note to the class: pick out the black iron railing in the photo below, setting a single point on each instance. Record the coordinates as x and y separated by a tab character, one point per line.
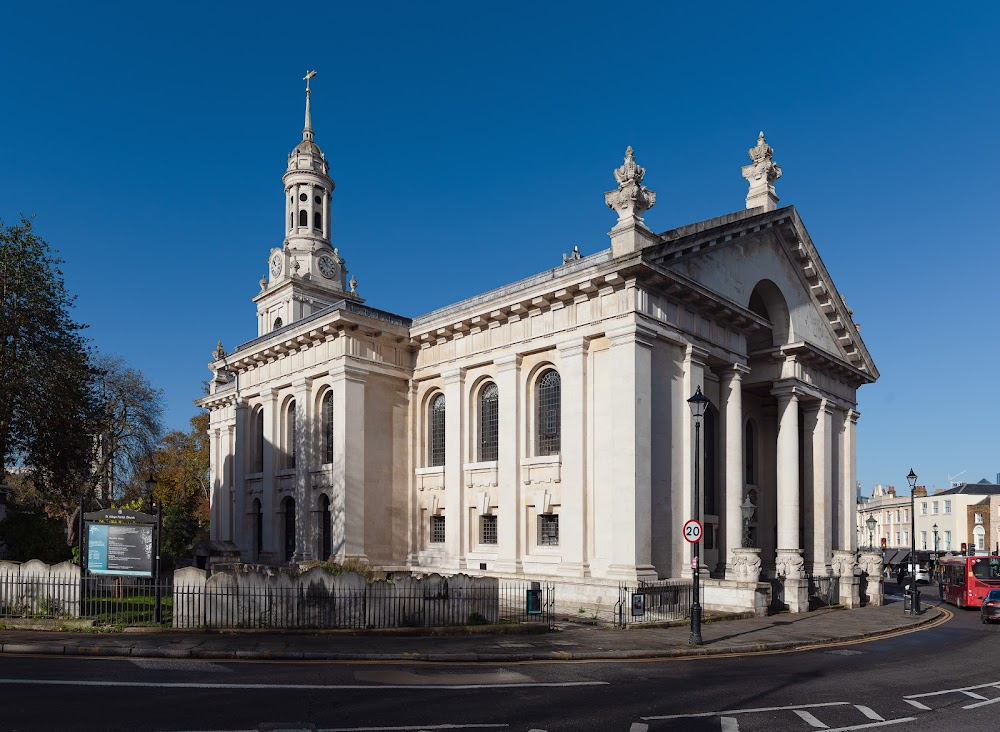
654	602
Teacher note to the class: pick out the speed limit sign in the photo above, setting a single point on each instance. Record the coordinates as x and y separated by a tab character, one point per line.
692	531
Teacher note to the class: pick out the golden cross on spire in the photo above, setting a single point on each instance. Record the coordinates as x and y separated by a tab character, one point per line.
307	77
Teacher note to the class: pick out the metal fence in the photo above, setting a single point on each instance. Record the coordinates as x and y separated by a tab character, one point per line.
132	601
824	591
654	602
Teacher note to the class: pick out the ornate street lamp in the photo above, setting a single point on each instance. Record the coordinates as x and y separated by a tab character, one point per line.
870	523
913	591
150	490
747	508
698	404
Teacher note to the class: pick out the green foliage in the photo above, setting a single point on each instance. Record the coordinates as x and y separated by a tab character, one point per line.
476	619
28	533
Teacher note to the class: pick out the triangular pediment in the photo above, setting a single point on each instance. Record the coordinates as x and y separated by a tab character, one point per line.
730	255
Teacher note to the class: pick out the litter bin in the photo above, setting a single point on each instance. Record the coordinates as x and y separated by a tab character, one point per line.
911	602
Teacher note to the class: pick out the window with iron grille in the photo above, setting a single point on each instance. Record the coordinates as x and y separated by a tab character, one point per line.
549	413
258	443
489	421
437	529
548	529
488	530
328	427
437	430
290	433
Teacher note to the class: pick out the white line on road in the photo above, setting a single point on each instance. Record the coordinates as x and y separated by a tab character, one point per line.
950	691
917	704
291	687
638	727
982	703
974	695
411	728
747	711
729	724
869	712
874	725
810	719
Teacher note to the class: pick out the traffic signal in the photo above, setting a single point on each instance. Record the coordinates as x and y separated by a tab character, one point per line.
965	549
883	542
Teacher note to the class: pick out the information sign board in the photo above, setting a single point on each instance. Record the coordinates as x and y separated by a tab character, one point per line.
120	549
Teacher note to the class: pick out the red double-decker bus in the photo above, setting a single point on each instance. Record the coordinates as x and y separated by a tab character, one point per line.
964	581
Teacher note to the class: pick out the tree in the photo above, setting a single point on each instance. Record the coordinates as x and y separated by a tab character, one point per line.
46	405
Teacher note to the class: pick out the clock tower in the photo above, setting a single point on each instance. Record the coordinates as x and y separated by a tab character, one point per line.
305	274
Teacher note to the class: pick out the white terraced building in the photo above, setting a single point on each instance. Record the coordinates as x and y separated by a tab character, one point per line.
542	430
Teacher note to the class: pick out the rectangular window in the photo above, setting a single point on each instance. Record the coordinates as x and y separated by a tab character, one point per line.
934	507
487	529
906	515
906	538
923	508
437	529
923	539
548	529
947	506
947	541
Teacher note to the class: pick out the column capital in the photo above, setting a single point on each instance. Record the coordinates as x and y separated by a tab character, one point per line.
507	362
303	382
787	392
572	348
632	333
696	354
734	371
343	371
453	376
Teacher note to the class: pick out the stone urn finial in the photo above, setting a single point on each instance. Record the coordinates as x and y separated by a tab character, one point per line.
762	174
631	199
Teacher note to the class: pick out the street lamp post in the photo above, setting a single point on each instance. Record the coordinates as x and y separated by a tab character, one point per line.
698	403
870	523
911	478
150	488
747	508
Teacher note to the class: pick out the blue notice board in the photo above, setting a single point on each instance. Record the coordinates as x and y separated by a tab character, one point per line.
122	549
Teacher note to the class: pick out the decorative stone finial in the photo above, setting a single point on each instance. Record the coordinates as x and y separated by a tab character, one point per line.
219	353
631	199
761	175
353	285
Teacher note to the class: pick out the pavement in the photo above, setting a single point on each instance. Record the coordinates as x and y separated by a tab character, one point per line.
570	640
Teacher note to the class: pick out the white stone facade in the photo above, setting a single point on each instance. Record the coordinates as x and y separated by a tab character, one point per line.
542	429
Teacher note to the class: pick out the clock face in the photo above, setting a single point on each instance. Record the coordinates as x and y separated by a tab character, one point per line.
326	266
275	265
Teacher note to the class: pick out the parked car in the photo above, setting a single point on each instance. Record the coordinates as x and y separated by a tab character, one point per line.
923	575
990	609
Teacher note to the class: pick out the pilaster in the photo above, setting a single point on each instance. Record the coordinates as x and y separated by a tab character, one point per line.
270	551
573	529
694	378
305	535
456	521
819	472
849	480
509	513
347	504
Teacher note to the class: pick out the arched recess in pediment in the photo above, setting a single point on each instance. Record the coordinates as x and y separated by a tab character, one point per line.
767	301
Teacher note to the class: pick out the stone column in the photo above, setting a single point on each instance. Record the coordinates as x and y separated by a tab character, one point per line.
235	500
305	539
573	529
270	551
789	564
731	414
217	529
870	568
456	535
509	509
631	349
819	467
843	566
347	504
694	377
849	481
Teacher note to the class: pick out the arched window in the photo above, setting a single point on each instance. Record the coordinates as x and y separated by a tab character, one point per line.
750	455
489	422
326	534
289	504
549	426
303	218
436	430
290	436
328	427
291	220
277	323
709	444
318	221
258	529
257	445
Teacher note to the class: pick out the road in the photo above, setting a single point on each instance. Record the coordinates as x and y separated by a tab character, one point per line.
938	679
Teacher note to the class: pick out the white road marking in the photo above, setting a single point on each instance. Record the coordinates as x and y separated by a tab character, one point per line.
156	664
746	711
292	687
810	719
638	727
982	703
874	725
951	691
729	724
917	704
974	695
869	712
420	728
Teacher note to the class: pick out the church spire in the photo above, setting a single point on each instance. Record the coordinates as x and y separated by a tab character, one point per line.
307	130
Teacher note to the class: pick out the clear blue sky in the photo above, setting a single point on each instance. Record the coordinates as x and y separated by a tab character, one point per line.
471	144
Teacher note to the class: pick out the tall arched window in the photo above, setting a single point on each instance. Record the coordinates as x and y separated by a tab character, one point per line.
290	436
489	422
328	427
750	455
257	446
291	220
709	462
277	323
318	221
326	534
289	504
303	218
549	401
436	430
258	528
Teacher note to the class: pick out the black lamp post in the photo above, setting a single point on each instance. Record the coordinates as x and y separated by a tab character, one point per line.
911	478
870	523
747	508
934	528
698	403
150	489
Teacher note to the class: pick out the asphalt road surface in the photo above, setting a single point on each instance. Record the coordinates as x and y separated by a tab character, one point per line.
945	678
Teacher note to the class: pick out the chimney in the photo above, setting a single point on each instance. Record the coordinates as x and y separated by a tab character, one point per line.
920	491
891	491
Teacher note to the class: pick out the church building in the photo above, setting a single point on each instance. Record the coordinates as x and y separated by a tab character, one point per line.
542	430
